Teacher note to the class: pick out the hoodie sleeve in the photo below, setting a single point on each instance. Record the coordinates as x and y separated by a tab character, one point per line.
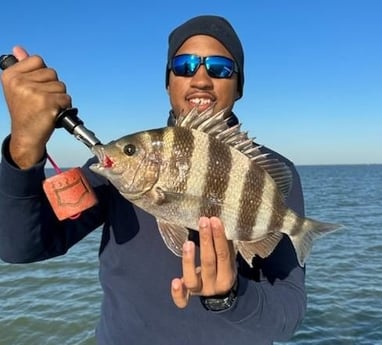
29	230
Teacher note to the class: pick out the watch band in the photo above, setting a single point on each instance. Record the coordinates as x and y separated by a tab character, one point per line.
220	302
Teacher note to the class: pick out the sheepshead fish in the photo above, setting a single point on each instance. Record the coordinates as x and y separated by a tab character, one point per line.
203	167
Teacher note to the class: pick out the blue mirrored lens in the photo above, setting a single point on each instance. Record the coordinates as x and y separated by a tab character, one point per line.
219	66
186	65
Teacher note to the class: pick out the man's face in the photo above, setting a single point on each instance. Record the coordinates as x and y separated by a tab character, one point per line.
201	90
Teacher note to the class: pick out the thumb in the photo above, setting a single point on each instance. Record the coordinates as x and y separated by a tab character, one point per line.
20	53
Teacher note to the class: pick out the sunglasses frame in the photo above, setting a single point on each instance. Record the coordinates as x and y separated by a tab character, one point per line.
203	60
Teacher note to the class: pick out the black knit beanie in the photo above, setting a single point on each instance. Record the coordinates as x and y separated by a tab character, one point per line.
215	26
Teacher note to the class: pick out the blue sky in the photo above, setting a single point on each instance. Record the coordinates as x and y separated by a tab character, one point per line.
313	88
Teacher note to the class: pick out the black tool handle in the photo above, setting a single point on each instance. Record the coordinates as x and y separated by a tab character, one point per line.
6	61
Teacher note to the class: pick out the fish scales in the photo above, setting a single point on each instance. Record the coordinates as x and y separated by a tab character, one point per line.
187	174
220	189
250	204
178	153
219	165
277	216
206	175
189	177
260	207
175	180
181	173
231	209
295	223
201	171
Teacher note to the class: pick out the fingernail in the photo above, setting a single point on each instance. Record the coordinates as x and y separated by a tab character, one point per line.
203	222
176	285
188	246
215	224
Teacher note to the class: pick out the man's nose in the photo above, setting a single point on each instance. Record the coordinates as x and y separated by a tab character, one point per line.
201	77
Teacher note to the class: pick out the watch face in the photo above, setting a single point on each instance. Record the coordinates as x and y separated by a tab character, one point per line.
215	304
220	303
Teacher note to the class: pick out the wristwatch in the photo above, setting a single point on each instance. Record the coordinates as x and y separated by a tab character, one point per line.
220	302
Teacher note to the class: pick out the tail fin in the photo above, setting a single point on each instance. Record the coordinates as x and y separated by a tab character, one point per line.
311	230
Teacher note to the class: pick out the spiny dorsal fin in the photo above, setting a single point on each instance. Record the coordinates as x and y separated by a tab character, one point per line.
215	124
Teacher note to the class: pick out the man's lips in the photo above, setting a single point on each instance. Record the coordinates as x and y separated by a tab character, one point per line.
201	101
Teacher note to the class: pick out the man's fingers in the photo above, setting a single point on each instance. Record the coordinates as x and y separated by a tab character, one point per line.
217	271
207	257
222	245
191	275
225	256
179	293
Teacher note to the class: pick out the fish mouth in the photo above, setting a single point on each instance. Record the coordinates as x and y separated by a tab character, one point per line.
133	186
105	163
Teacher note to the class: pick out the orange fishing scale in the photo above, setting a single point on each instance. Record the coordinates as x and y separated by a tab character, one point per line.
68	192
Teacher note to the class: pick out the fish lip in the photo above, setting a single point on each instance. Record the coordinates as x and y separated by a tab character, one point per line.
99	152
112	171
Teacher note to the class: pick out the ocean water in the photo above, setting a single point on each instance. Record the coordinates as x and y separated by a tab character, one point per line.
58	301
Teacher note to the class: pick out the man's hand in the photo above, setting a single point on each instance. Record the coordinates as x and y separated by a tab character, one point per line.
34	96
217	271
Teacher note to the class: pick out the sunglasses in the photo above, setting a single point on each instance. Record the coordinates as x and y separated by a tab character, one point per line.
186	65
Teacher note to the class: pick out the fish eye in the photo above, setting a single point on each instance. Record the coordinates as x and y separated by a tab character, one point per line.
129	149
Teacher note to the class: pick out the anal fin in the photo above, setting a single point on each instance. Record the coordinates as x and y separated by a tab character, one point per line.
263	247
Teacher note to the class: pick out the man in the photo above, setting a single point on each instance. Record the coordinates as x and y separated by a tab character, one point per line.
216	298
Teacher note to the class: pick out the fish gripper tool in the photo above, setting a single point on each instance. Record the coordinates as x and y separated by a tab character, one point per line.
67	118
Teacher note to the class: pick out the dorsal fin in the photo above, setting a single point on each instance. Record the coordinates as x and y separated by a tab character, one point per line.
216	124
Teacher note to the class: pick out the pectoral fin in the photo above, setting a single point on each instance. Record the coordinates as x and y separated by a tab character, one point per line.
173	236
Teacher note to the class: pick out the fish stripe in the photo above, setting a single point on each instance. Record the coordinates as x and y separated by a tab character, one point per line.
151	136
250	204
233	193
278	211
180	156
216	178
187	166
295	224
